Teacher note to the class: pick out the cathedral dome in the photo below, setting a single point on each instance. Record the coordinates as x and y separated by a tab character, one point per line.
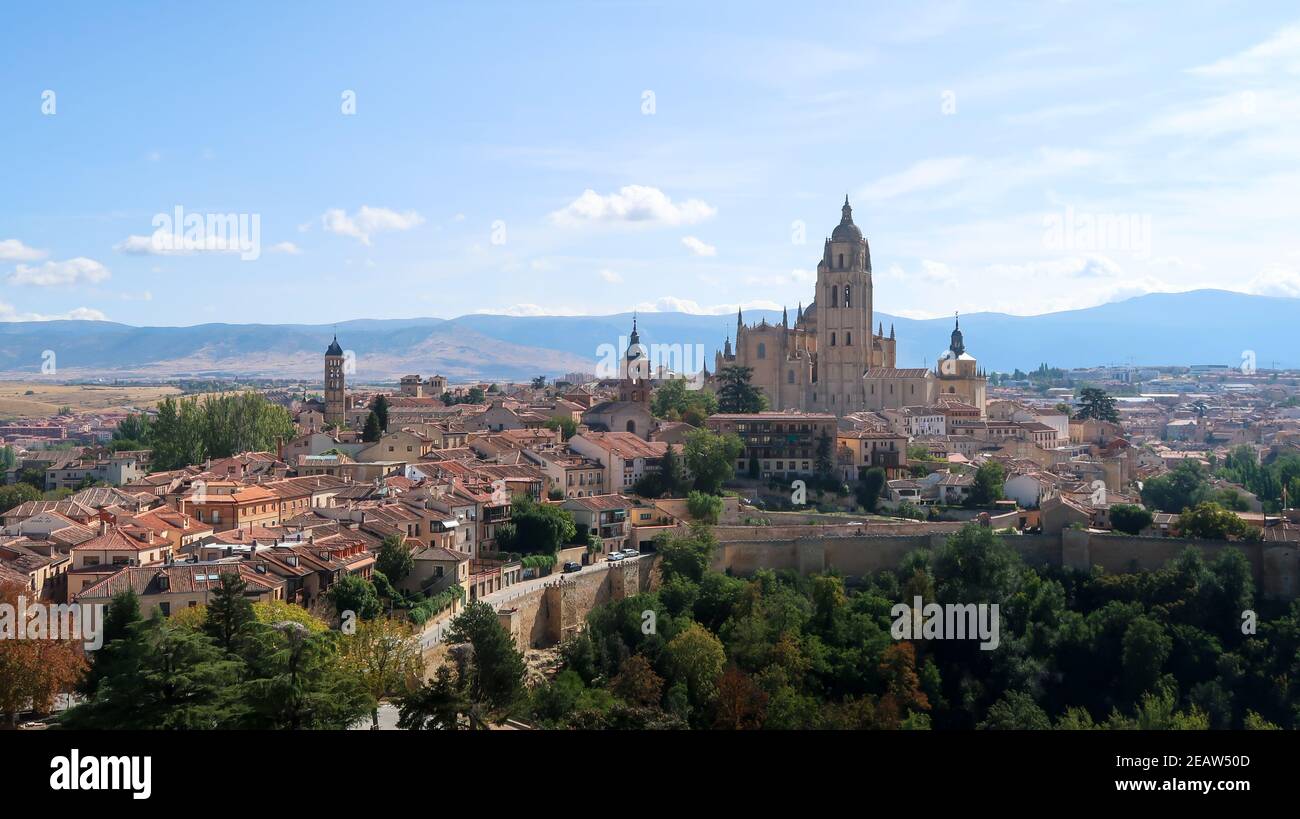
846	231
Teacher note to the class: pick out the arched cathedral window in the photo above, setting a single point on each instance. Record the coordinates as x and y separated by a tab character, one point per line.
762	350
848	300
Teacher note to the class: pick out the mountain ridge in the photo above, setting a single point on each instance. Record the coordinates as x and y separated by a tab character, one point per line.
1192	327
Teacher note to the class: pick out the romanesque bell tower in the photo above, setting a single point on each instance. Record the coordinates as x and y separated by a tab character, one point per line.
844	337
335	386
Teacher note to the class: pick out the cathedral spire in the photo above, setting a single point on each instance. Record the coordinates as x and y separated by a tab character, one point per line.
958	345
740	321
891	329
799	315
785	318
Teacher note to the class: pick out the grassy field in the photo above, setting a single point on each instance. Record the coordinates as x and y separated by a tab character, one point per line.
46	398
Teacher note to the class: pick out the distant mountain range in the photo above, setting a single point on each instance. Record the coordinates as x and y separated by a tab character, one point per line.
1197	327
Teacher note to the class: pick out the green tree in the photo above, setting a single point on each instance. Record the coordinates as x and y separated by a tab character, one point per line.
395	560
1146	646
736	394
564	424
687	556
1094	402
711	458
380	408
538	528
229	613
704	507
163	676
356	594
372	430
696	658
17	494
867	492
498	667
1128	518
297	682
435	706
1181	488
1016	711
1211	521
987	488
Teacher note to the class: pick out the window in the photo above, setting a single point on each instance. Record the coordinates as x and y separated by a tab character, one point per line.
848	336
762	350
835	296
789	377
842	266
832	339
848	296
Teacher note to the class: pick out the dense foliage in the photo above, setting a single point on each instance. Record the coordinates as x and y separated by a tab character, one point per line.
1161	649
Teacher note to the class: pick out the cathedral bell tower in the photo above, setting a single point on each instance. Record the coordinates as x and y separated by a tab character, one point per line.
844	306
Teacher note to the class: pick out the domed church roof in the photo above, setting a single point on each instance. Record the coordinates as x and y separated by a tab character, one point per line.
846	231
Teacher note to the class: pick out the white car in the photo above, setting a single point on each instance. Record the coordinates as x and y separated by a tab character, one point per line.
614	556
631	553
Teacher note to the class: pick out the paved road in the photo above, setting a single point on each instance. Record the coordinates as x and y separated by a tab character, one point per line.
435	632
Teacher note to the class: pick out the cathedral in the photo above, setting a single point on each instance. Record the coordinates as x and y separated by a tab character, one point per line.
831	361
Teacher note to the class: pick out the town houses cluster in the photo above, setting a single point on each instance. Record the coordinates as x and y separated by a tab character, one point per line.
450	462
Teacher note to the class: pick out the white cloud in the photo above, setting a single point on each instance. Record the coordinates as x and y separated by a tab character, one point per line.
285	247
924	175
1281	52
611	277
73	271
8	313
368	221
1275	281
632	204
698	247
12	250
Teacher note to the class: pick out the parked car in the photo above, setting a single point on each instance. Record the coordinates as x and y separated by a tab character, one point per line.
570	566
631	553
614	556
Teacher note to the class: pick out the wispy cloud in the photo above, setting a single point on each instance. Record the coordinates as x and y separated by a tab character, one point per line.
53	274
631	205
12	250
698	247
368	221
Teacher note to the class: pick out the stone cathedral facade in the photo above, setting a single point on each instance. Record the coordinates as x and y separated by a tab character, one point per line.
830	360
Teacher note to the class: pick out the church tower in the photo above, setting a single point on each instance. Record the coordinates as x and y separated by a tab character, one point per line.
844	306
634	381
335	386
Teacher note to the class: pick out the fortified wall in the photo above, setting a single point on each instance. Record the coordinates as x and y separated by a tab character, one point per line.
556	611
548	615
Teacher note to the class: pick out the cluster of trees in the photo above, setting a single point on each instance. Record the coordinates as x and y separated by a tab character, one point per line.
1268	481
230	665
535	528
704	464
189	430
1161	650
474	395
1186	486
672	401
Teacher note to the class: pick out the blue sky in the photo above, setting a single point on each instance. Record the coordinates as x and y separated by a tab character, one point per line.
502	157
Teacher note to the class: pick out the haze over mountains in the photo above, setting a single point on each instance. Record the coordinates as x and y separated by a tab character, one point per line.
1196	327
